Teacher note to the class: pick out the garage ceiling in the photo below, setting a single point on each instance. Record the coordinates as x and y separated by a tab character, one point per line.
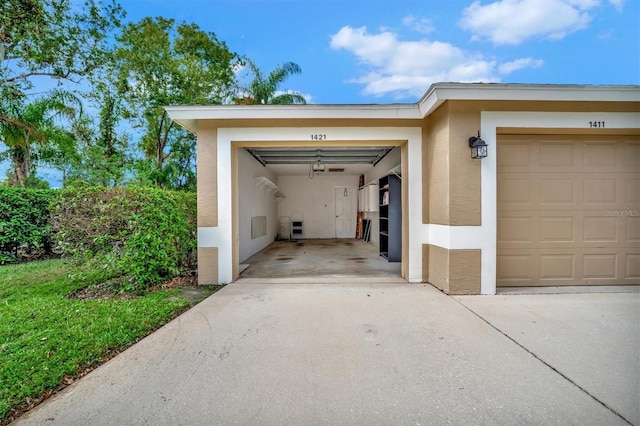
325	155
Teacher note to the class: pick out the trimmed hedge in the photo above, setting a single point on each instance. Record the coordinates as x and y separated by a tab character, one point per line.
24	223
147	234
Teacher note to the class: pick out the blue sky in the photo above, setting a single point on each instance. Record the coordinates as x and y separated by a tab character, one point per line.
383	51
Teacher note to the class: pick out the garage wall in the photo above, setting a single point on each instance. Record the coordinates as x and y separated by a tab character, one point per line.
315	199
254	202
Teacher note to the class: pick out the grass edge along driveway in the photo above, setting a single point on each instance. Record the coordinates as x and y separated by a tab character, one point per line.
47	339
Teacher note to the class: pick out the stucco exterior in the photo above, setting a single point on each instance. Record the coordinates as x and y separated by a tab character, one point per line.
450	201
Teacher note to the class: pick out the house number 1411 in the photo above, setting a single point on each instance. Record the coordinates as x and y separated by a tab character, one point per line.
596	124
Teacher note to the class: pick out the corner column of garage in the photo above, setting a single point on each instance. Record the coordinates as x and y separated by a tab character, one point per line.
207	181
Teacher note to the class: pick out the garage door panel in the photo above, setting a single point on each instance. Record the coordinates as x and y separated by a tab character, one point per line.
602	190
631	225
601	154
632	267
600	229
557	191
516	269
554	229
571	215
514	156
632	191
517	192
554	154
567	267
600	266
515	229
632	156
557	267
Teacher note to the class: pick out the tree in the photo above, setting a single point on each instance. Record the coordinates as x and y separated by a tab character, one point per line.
56	39
264	90
163	64
27	129
52	38
103	159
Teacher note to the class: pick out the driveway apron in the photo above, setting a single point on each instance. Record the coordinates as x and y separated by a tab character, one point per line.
310	354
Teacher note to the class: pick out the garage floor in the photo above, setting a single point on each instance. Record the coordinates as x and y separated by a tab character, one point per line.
325	257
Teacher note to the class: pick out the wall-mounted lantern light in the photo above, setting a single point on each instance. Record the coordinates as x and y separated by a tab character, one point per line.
478	147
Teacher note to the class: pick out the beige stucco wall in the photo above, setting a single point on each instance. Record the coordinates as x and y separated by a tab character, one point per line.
452	271
207	170
451	178
438	267
207	265
435	168
464	172
464	271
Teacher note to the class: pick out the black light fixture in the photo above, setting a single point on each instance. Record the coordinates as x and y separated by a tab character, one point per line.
478	146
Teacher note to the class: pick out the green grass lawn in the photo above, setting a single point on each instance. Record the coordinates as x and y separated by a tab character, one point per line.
45	336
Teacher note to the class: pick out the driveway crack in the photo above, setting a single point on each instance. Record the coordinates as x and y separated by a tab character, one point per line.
533	354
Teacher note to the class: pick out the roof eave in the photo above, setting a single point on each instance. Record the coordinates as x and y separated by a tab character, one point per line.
440	92
188	115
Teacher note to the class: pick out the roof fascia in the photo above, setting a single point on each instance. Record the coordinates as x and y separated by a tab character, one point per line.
188	115
441	92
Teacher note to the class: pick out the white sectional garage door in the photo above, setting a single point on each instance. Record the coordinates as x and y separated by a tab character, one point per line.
568	210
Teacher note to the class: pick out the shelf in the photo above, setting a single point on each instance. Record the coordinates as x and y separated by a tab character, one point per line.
390	218
266	185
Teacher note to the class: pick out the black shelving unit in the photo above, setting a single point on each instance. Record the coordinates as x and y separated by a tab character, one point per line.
390	218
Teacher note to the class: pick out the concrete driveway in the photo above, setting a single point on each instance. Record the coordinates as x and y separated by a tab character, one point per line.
374	354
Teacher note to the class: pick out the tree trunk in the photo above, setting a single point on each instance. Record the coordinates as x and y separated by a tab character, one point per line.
21	173
21	159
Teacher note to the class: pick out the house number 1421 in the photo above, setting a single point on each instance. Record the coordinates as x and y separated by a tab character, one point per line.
318	137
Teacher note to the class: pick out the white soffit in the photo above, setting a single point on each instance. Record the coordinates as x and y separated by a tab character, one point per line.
441	92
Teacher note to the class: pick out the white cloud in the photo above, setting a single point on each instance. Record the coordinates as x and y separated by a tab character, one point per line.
514	21
420	25
407	68
618	4
518	64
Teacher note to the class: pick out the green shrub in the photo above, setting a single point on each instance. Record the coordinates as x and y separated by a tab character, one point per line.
24	222
144	233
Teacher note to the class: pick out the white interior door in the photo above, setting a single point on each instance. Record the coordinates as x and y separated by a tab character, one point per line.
346	206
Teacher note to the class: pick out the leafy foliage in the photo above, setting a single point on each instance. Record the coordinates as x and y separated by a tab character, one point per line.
143	233
35	130
102	150
264	89
24	222
161	63
53	38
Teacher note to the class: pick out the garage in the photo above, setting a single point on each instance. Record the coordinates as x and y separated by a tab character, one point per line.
500	185
301	213
568	210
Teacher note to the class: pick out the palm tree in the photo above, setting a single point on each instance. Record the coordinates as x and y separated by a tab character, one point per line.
23	124
263	90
